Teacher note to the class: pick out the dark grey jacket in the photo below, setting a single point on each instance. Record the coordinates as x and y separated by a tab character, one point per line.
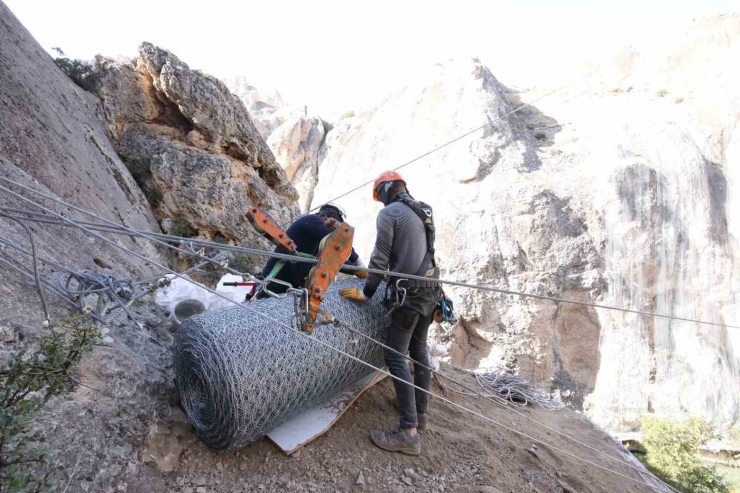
400	244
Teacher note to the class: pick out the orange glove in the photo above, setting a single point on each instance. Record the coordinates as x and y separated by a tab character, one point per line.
354	294
362	274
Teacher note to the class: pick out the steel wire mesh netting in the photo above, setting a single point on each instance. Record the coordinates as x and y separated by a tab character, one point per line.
240	375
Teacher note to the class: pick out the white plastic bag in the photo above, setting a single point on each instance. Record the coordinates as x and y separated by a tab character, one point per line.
436	352
180	289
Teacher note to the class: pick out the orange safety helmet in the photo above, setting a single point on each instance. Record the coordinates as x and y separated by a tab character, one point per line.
385	177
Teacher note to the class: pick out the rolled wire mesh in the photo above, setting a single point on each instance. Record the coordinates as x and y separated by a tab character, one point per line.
240	375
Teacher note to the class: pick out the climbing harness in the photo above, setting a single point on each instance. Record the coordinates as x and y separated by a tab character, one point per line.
445	310
399	293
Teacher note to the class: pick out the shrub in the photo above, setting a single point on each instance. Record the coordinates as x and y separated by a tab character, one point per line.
733	435
672	454
28	382
180	227
540	136
240	263
661	93
678	100
81	72
349	114
139	168
154	196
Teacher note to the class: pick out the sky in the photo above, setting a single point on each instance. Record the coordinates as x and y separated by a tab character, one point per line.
336	56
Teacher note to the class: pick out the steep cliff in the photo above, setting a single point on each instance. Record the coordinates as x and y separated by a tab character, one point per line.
624	197
52	139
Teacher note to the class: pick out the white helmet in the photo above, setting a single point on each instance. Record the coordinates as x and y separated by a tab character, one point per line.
336	207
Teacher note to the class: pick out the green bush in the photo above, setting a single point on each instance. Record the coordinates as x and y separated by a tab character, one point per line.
139	169
240	263
672	454
540	136
154	196
26	384
80	71
180	227
661	93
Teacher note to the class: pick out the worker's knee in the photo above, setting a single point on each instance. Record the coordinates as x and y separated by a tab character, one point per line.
393	359
420	354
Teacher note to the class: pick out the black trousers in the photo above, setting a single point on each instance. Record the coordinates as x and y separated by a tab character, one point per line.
408	333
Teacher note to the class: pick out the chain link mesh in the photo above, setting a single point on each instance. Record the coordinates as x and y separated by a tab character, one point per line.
241	375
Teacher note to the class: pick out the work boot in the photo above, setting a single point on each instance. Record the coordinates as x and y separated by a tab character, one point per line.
396	440
422	420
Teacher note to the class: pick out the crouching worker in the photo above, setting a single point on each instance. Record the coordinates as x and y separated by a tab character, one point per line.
405	245
307	233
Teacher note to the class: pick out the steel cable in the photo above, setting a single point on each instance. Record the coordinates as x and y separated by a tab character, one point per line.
351	268
472	392
302	334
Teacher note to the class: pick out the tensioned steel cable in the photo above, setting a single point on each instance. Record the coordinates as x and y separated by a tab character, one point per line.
73	223
303	334
346	326
352	268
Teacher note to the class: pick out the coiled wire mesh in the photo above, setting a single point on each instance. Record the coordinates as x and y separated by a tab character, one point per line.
241	375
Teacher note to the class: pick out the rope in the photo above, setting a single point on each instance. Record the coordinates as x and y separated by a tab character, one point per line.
315	341
512	388
103	285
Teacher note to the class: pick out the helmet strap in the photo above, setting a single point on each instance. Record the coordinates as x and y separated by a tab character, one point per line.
383	190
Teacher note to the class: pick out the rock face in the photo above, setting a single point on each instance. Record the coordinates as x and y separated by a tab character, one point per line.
496	224
625	210
296	144
52	140
266	107
189	142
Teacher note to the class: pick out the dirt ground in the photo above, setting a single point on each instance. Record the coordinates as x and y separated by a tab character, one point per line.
460	452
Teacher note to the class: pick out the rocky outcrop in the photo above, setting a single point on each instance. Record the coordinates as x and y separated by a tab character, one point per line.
266	107
189	142
627	211
296	144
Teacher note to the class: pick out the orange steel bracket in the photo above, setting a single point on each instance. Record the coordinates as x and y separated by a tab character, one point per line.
265	225
334	251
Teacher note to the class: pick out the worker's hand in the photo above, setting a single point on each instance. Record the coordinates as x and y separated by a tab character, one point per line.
353	294
362	274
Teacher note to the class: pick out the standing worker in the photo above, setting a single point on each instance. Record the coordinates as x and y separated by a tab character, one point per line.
405	245
307	233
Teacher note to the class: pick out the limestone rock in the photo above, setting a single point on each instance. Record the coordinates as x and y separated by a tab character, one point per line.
52	140
167	440
296	145
632	212
266	107
189	142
